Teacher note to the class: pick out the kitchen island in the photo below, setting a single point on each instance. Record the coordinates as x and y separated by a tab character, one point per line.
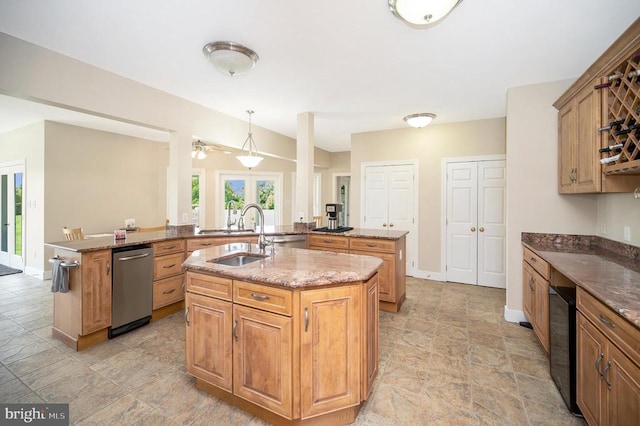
290	335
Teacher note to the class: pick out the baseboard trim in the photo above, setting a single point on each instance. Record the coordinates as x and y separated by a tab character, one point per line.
429	275
37	273
514	315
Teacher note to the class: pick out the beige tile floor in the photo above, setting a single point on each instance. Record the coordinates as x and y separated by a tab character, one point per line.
447	357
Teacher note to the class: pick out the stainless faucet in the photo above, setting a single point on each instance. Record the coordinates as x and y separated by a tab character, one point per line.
235	210
262	241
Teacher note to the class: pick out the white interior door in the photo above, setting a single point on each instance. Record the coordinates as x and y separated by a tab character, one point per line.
462	237
389	203
11	215
491	224
476	227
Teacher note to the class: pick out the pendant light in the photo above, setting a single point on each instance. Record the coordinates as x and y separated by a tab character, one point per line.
251	158
421	13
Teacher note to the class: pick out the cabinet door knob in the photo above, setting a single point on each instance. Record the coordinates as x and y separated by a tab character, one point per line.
473	229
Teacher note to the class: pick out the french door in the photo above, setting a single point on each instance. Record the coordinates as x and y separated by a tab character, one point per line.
239	189
475	223
11	215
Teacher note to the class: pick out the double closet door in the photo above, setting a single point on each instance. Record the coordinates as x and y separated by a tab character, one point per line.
475	223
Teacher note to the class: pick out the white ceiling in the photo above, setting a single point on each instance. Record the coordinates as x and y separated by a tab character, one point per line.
351	63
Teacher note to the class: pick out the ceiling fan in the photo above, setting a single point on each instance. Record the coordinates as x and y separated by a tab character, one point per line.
199	149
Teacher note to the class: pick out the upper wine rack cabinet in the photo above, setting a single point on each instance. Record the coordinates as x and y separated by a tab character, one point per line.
621	136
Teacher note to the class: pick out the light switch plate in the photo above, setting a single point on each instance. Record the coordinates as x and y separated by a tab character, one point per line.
627	233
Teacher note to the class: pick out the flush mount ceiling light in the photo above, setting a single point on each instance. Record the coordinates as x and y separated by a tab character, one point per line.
198	150
419	120
422	12
230	58
251	158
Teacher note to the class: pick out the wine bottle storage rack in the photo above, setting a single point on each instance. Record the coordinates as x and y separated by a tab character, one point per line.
622	96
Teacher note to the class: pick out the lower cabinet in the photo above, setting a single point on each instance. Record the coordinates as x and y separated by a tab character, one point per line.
608	379
295	353
535	295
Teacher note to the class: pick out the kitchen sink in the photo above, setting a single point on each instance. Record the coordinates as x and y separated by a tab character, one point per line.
238	259
224	231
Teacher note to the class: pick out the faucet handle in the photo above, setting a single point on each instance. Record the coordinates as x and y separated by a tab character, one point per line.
240	223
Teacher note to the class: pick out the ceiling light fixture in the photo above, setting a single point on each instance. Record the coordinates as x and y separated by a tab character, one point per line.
230	58
251	159
198	150
421	12
419	120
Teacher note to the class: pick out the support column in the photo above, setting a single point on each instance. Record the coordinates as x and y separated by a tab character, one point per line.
179	182
304	168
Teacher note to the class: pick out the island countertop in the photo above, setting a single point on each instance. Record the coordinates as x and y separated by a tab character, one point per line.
612	277
135	238
287	267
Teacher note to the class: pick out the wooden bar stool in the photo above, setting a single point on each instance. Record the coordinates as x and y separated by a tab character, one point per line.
72	234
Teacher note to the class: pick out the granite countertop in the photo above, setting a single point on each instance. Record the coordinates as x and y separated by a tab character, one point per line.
608	270
134	238
287	267
386	234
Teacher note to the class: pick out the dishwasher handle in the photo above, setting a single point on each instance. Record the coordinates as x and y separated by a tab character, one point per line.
137	256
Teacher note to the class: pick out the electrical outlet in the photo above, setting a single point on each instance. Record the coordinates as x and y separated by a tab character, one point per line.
185	217
603	229
627	233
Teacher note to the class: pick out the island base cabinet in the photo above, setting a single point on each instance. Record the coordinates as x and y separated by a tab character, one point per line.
330	349
208	340
262	357
608	381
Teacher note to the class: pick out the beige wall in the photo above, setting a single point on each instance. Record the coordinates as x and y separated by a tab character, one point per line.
616	211
533	202
428	146
26	145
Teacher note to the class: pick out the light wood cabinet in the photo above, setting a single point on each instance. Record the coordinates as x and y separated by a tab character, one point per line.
392	274
168	277
82	316
608	364
96	291
535	295
591	103
283	354
578	143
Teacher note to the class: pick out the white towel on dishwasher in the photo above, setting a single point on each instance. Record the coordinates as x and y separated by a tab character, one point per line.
59	277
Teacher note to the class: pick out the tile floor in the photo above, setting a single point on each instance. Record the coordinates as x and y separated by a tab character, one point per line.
447	357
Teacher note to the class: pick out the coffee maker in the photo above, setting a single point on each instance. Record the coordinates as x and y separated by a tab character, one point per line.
332	213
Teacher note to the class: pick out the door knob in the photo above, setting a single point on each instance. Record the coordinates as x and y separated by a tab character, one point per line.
481	229
473	229
384	225
391	225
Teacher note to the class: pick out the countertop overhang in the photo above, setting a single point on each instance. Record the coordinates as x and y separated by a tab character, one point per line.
286	267
612	277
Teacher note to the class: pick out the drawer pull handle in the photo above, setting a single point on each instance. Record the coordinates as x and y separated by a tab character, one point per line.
606	321
259	296
169	266
533	259
186	316
206	244
169	247
235	330
328	241
371	245
306	319
598	363
169	291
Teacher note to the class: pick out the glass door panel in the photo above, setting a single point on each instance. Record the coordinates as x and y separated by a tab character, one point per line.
11	215
241	189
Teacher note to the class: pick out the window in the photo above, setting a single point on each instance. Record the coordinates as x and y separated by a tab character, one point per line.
243	188
197	199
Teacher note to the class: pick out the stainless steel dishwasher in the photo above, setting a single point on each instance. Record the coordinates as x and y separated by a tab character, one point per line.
132	294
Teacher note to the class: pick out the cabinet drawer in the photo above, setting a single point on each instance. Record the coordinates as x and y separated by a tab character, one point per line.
617	329
203	243
329	242
209	285
538	263
165	266
168	247
167	291
263	297
372	244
